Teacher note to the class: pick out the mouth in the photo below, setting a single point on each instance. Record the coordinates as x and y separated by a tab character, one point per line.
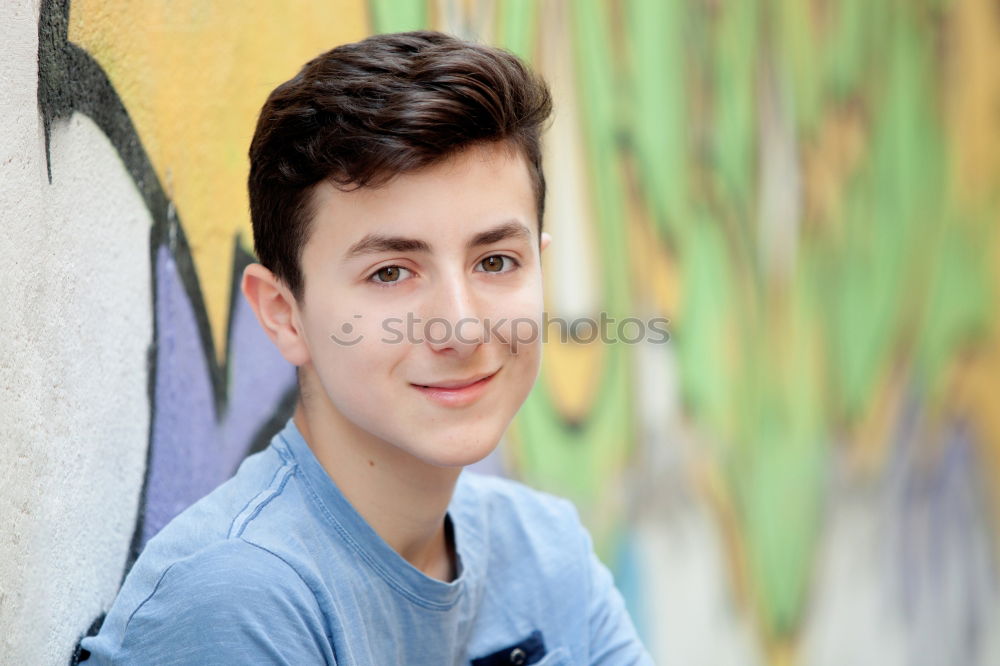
459	392
457	383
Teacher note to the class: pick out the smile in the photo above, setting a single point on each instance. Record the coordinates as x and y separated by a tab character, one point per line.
458	393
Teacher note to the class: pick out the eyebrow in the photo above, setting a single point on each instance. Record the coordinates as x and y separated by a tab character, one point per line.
378	243
499	233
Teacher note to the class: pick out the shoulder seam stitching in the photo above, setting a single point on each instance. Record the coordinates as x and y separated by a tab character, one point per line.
288	472
258	497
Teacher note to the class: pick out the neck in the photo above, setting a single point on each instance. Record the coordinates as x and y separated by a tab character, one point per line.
400	496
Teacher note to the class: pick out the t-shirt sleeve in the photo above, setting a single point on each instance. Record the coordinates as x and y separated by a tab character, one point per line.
613	637
236	603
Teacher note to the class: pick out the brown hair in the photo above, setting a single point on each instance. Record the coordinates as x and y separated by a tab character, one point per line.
362	113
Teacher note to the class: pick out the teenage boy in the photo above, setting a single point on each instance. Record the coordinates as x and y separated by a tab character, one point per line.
396	196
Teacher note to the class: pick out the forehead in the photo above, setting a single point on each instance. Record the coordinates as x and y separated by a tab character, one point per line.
452	200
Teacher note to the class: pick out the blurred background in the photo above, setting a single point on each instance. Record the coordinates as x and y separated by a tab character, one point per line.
809	190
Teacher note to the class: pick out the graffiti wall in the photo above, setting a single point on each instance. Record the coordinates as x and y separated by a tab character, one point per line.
138	380
802	472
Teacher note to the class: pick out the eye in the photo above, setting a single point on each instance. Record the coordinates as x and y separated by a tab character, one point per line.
389	275
496	263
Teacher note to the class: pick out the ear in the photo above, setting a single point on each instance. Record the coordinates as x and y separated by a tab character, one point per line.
546	239
277	312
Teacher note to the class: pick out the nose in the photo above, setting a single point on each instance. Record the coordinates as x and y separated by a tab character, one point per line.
454	326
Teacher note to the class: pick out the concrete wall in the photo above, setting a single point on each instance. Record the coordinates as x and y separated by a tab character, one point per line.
804	474
77	328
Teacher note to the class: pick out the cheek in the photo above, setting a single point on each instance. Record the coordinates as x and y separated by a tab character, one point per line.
360	379
344	348
518	320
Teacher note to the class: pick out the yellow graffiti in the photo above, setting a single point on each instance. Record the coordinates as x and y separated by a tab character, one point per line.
193	76
972	100
973	97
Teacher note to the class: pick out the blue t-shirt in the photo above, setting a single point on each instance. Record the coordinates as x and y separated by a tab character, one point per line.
275	566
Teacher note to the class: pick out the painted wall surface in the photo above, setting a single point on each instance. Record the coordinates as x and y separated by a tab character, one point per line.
809	191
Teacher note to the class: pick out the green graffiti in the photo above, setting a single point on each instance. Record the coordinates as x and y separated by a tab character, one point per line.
398	15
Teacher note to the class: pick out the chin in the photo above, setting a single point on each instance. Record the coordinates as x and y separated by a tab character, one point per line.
457	449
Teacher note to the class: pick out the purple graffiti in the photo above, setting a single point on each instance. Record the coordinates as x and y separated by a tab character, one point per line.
193	449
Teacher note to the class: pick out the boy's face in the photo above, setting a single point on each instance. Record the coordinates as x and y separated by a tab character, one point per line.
422	305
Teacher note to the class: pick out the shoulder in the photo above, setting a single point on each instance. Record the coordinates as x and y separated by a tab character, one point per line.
225	574
222	594
229	602
194	608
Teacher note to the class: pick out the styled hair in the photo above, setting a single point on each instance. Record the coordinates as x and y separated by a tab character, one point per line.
362	113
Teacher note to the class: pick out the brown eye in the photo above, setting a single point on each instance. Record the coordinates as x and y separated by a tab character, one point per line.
492	264
387	274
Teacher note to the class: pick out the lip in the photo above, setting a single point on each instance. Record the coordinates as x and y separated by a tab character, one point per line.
457	393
